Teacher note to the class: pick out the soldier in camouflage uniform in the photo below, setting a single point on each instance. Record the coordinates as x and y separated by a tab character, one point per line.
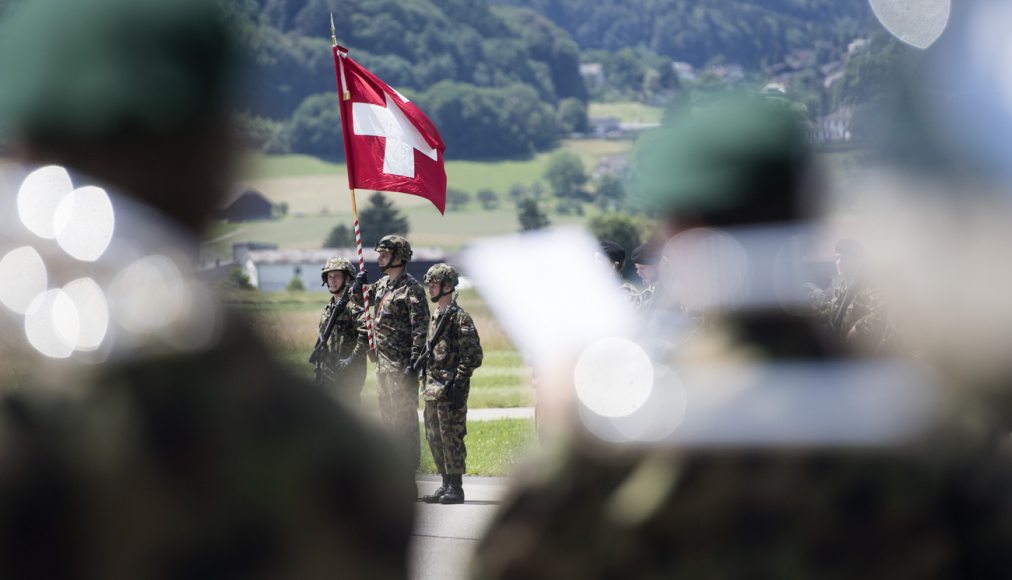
400	322
342	367
646	257
936	507
456	353
183	450
614	256
854	312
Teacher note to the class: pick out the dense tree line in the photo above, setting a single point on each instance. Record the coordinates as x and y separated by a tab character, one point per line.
506	72
750	32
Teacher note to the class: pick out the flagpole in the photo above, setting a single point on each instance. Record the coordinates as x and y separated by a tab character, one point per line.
344	95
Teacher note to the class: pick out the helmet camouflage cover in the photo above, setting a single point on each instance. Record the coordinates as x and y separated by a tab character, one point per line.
336	264
443	274
396	245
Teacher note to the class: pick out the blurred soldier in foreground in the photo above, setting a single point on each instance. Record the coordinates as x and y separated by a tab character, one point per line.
645	257
452	353
736	489
402	316
343	340
613	255
180	450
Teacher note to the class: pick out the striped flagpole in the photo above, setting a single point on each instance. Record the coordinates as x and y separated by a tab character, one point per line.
345	95
361	268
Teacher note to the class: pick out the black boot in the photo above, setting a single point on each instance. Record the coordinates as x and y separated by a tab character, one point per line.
440	491
456	492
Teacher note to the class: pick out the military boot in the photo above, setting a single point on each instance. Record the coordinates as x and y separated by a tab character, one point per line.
440	491
456	492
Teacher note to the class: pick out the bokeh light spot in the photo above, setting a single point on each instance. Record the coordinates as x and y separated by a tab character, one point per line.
84	223
22	278
93	311
39	196
52	325
918	23
613	377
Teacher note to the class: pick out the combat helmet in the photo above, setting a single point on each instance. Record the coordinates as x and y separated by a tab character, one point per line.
443	274
398	246
336	264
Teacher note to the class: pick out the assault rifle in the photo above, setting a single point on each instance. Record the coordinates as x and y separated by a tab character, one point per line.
418	365
316	357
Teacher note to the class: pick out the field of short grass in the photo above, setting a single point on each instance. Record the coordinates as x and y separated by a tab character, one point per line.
627	112
288	322
493	447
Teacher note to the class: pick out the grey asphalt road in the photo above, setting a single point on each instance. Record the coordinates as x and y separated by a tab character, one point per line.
446	535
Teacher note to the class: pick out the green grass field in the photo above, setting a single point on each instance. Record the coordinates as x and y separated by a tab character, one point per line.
627	112
288	322
493	447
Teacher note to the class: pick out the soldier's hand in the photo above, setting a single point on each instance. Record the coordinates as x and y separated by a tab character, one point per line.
342	363
457	396
362	278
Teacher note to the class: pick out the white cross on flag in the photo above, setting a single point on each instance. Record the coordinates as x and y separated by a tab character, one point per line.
389	143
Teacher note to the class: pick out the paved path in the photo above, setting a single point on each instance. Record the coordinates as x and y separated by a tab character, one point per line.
445	535
496	414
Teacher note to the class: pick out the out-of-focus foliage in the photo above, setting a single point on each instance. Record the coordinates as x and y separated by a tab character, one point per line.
530	216
381	218
504	58
749	32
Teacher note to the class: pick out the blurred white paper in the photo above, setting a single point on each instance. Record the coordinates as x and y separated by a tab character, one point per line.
549	293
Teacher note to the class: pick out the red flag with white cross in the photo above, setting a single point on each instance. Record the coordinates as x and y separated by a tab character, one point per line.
389	143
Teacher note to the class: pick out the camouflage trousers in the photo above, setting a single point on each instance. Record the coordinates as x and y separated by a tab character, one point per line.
445	429
398	405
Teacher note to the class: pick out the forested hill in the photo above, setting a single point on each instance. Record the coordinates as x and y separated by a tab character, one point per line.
412	44
752	33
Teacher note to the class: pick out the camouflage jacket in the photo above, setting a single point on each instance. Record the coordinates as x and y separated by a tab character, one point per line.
856	307
349	336
593	510
399	324
208	464
455	356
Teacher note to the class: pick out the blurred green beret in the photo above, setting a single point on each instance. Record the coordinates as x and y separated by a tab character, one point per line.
740	153
87	70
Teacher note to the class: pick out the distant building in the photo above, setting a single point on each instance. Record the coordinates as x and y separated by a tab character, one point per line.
272	270
684	70
832	129
856	46
249	205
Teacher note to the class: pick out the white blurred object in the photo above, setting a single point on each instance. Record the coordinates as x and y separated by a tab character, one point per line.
783	405
22	278
918	23
93	311
52	324
550	294
613	377
39	196
84	223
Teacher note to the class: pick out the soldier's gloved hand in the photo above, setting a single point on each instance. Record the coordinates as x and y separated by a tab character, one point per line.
361	279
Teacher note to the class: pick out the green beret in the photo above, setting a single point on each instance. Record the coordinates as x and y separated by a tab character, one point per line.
87	70
739	152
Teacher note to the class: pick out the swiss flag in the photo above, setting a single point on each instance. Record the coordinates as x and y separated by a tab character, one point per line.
389	143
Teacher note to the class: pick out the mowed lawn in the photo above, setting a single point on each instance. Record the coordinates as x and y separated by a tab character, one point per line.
627	112
494	448
288	321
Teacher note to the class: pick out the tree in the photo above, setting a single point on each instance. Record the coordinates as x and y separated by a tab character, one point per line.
530	216
236	280
279	210
488	199
295	284
339	237
315	127
457	198
621	228
610	192
517	192
381	218
565	174
572	115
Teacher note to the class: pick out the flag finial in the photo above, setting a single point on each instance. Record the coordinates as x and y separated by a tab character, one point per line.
333	31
